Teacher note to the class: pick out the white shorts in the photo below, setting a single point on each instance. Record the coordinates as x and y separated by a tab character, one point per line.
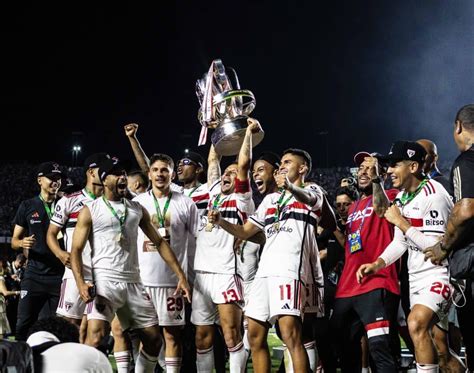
314	300
70	303
211	289
129	301
271	297
436	295
169	307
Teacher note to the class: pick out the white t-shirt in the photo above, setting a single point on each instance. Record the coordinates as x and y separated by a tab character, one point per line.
290	249
181	221
428	213
215	249
114	250
65	216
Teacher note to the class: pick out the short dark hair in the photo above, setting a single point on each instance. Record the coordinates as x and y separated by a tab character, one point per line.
349	191
466	116
64	330
142	176
162	157
303	154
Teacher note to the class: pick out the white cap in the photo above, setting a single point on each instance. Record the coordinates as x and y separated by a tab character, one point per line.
38	338
75	358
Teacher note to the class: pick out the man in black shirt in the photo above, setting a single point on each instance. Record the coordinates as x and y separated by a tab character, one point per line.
460	227
40	286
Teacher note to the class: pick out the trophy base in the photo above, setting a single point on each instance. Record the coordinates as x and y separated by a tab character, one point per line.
229	136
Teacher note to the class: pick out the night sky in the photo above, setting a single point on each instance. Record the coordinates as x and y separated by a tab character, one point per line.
332	79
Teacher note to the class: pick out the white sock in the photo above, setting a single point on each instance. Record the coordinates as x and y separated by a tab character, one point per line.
161	356
173	364
237	358
145	363
364	370
427	368
312	355
245	338
122	360
205	360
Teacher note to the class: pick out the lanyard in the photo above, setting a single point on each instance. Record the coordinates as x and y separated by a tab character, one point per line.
217	202
48	209
281	205
363	215
194	189
161	216
407	197
122	218
90	194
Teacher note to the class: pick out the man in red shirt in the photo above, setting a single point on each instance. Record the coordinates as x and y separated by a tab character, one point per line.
372	303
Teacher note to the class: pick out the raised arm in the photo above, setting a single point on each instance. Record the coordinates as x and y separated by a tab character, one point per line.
380	200
166	253
79	240
245	154
142	160
213	166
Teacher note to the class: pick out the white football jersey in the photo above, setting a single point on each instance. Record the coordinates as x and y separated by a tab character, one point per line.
181	221
65	216
290	249
215	248
428	213
114	250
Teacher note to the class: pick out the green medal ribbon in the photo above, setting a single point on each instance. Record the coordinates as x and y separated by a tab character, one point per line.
217	202
194	189
407	197
49	210
90	194
122	218
281	205
161	216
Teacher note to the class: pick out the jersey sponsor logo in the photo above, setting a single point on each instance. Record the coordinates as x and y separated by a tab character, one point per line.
434	214
434	222
33	221
414	248
272	230
58	216
58	208
358	215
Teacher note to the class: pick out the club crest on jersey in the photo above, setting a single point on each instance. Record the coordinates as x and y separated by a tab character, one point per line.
410	153
23	293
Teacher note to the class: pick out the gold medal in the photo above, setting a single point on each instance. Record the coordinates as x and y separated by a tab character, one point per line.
209	227
276	225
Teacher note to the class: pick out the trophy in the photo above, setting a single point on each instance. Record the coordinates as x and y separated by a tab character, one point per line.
225	108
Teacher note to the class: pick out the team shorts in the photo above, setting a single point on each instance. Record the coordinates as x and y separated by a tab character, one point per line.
169	307
129	301
70	303
271	297
436	295
314	296
211	289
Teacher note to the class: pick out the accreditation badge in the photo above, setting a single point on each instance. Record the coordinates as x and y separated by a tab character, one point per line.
355	242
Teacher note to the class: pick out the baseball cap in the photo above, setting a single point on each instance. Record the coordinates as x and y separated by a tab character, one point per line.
94	160
109	166
405	150
359	157
50	170
270	157
195	157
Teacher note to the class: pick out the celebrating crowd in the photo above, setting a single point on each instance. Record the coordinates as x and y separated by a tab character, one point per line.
193	271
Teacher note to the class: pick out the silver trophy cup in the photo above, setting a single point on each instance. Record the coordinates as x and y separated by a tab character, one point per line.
225	108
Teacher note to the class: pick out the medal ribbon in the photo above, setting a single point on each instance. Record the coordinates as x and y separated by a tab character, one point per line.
90	194
49	210
122	218
407	197
281	205
161	216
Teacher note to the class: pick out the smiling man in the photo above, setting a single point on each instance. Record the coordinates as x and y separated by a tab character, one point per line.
419	214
